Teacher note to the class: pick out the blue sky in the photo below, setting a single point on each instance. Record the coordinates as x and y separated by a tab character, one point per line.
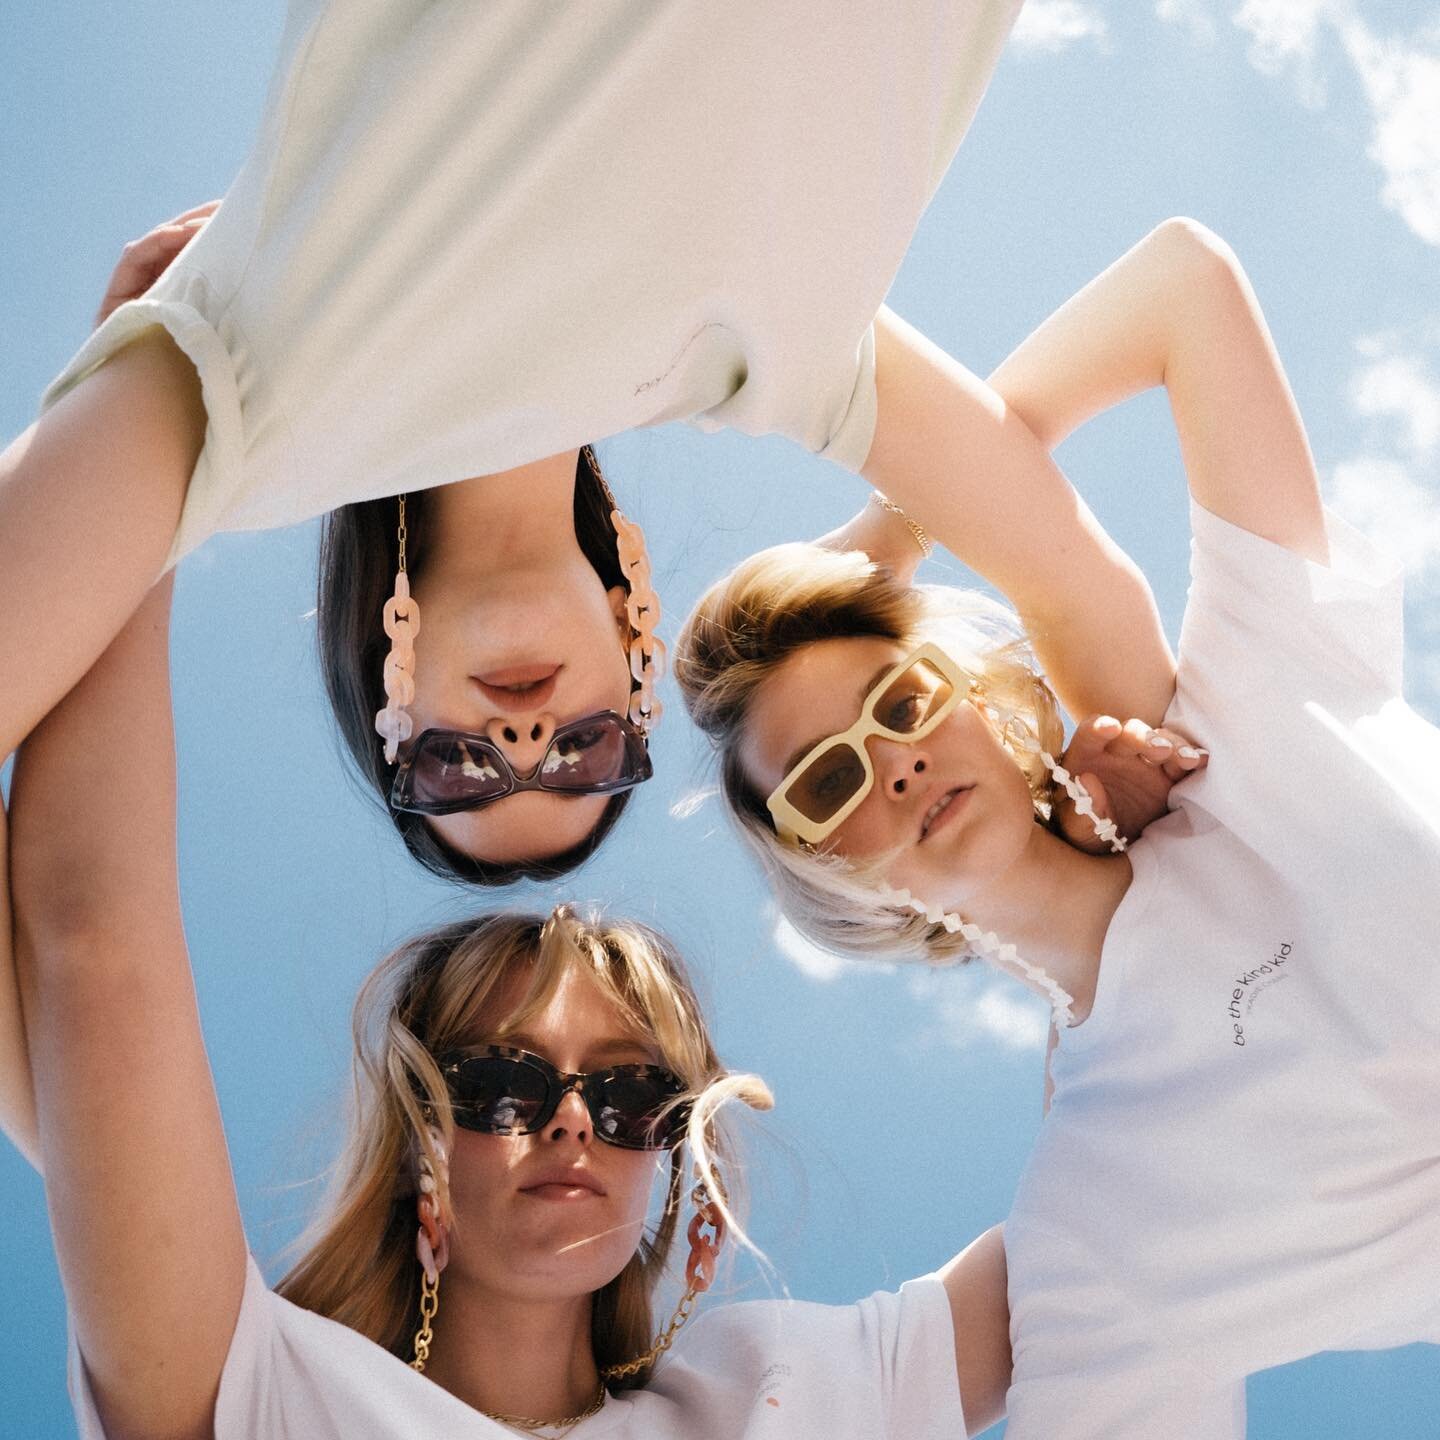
1307	132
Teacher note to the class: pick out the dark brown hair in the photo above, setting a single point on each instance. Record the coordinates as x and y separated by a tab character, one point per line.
359	554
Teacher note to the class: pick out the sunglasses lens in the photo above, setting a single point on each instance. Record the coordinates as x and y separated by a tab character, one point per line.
912	699
588	755
628	1109
825	784
446	769
497	1095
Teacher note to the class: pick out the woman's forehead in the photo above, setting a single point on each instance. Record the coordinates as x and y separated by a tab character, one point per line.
812	694
568	1011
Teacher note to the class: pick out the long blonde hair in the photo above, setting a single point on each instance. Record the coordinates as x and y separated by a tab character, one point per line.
779	601
358	1264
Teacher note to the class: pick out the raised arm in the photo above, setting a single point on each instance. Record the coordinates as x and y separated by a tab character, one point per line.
1177	310
146	1225
969	461
140	265
966	466
17	1092
976	1281
90	496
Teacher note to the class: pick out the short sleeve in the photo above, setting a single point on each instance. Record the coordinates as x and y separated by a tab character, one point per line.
180	314
880	1370
1258	610
293	1375
1290	674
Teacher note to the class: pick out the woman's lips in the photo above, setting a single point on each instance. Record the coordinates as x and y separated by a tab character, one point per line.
954	805
519	687
563	1184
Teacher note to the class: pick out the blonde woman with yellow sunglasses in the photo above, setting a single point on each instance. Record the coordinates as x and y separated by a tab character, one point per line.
1240	1165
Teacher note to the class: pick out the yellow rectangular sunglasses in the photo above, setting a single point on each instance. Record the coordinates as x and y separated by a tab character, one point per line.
831	779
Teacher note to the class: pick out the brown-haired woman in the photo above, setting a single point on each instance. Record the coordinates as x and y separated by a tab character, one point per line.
485	1265
470	240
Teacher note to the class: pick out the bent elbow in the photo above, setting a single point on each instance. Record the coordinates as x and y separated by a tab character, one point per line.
1199	255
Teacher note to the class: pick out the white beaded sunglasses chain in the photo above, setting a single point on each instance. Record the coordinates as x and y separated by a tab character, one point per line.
986	943
646	651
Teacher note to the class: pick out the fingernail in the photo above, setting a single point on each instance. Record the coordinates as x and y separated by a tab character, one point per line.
1107	722
1159	742
1189	752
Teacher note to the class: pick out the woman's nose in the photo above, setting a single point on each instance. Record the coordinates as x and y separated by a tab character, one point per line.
899	768
571	1119
522	739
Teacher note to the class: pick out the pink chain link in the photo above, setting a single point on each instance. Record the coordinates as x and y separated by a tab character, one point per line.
402	625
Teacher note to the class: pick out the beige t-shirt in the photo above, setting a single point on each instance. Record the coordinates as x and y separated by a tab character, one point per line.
469	236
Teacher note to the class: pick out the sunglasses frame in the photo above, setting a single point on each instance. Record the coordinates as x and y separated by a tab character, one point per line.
795	828
636	751
558	1084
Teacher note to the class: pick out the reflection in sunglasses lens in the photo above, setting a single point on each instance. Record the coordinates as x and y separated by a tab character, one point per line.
629	1106
446	769
497	1093
591	754
912	699
827	783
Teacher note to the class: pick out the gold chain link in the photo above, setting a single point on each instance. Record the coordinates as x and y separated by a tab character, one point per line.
403	532
429	1304
661	1345
559	1427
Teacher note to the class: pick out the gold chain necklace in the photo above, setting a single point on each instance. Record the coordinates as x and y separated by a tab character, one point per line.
552	1429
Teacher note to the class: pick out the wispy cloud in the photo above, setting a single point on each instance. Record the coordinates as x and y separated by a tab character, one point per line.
966	1009
809	959
1053	24
1192	16
959	1009
1309	42
1402	84
1390	488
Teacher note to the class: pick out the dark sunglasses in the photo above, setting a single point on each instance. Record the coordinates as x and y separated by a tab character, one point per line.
449	770
499	1090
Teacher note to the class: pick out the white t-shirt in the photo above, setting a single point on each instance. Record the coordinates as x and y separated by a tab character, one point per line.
760	1370
1241	1163
473	235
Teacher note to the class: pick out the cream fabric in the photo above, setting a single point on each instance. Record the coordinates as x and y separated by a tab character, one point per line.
473	235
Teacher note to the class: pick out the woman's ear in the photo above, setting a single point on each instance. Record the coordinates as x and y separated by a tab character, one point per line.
618	596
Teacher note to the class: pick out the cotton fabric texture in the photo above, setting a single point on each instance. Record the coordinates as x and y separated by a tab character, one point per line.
882	1368
470	236
1241	1164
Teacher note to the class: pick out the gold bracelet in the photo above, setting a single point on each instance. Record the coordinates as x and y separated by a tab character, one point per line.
926	544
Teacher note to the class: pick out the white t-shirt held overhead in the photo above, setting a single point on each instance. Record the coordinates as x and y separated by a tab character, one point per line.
1241	1163
473	235
761	1370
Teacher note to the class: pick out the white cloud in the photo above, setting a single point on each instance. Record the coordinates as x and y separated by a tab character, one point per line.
1054	24
1192	16
1390	489
1402	83
1385	499
1284	39
1397	385
965	1008
808	958
1399	77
